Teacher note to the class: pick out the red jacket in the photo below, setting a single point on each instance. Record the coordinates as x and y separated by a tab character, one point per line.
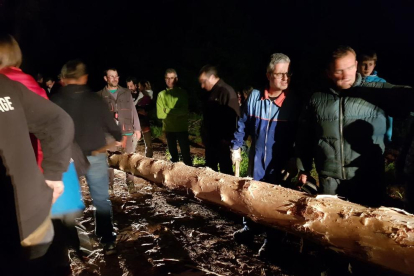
17	74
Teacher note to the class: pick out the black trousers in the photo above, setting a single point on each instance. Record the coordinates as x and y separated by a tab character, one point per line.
182	138
366	191
218	154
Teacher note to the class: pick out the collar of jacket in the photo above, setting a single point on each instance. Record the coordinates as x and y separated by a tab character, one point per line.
278	101
358	82
119	90
219	83
74	90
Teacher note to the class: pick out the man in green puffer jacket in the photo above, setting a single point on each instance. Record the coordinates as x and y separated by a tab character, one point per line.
342	128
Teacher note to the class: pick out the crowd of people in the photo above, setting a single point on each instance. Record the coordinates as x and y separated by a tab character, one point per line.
342	128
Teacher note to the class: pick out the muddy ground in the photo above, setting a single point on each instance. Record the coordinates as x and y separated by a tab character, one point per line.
165	233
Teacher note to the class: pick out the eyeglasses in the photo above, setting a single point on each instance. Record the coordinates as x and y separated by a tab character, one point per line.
282	75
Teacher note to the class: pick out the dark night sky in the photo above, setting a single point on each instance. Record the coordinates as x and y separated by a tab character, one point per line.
143	38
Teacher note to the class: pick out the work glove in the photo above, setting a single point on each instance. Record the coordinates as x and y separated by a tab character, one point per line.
236	156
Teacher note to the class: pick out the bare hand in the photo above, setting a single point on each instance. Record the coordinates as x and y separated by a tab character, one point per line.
302	178
236	156
124	141
57	187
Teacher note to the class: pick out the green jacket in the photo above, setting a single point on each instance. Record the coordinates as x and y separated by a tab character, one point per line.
172	109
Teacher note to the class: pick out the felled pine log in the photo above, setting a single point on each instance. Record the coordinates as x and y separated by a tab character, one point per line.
383	236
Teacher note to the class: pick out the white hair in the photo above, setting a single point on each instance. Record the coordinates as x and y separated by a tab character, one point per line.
275	59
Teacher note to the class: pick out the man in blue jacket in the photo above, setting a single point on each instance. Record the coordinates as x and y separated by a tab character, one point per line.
270	118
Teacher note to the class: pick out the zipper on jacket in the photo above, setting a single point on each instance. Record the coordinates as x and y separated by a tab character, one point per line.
267	131
341	133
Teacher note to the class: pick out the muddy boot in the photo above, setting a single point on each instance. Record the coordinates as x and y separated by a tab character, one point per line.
148	144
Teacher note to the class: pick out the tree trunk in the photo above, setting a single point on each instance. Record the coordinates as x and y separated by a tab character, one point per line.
382	236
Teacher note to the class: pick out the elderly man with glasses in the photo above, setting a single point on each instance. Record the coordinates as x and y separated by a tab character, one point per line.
270	118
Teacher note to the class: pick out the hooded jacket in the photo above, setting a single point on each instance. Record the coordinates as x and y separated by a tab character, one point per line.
18	75
27	199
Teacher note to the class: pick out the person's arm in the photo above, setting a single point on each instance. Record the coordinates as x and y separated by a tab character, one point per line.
161	114
240	132
55	130
396	100
230	111
137	126
304	143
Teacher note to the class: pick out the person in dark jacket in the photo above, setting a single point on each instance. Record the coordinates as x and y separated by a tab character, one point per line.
344	134
221	111
143	105
52	87
10	67
27	194
92	120
398	102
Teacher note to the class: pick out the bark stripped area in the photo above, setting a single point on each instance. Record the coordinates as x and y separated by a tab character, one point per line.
382	236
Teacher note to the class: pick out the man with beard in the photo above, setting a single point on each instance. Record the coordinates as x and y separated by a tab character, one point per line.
122	106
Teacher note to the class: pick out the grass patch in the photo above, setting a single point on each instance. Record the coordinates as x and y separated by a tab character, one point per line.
199	161
156	131
194	127
244	164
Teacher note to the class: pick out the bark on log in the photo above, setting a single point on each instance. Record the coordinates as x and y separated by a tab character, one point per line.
383	236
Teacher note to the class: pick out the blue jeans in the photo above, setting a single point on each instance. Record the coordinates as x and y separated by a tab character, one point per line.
98	181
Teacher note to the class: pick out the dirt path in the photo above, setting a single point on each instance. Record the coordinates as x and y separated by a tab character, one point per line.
164	233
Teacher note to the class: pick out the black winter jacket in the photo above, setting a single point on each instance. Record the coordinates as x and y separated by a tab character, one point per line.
26	199
90	114
221	111
343	132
